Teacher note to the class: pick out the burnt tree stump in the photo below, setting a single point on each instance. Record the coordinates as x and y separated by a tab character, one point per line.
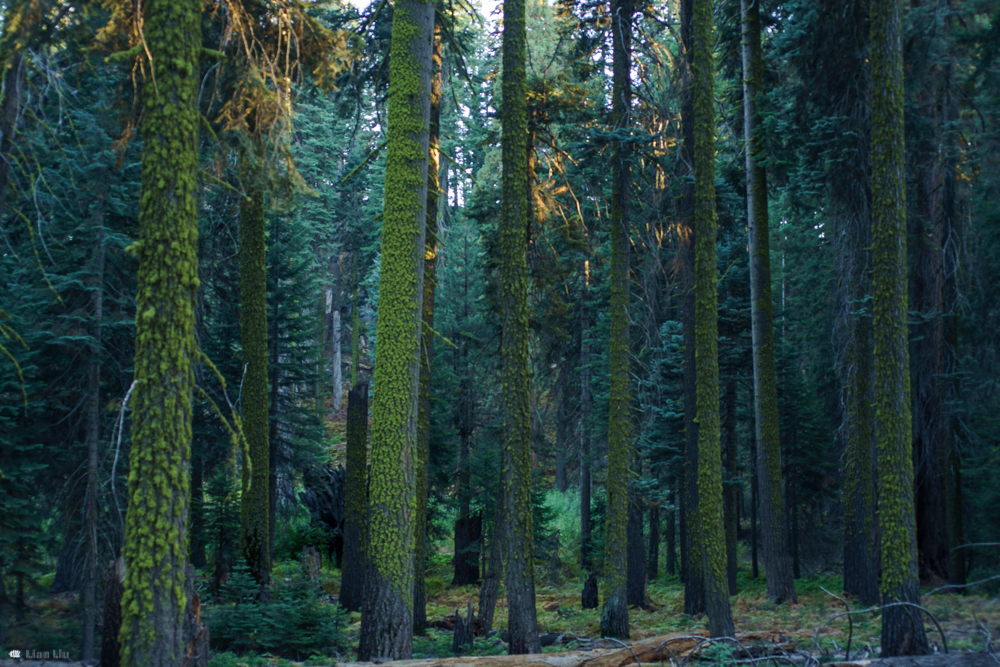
589	597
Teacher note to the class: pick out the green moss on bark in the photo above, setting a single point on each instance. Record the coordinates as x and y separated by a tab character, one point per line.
710	527
156	536
902	630
387	620
255	502
614	614
515	370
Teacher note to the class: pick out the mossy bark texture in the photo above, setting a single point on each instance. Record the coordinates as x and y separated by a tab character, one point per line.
780	586
515	373
711	538
156	536
355	498
614	613
902	627
255	508
427	342
386	615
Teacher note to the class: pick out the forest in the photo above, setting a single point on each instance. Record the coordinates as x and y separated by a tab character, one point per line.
652	331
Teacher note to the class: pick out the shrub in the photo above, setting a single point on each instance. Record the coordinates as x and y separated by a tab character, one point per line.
297	623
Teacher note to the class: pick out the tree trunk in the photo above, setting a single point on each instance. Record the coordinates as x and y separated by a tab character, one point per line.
12	88
387	610
427	338
780	586
88	599
710	534
337	363
636	586
586	405
152	603
562	423
619	570
691	565
256	504
490	588
355	499
653	562
672	513
730	515
754	569
514	360
902	628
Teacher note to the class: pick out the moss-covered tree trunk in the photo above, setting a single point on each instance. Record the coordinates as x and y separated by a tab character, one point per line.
614	613
427	341
156	536
387	611
255	501
730	508
902	627
515	369
586	404
780	586
710	531
691	571
355	499
13	85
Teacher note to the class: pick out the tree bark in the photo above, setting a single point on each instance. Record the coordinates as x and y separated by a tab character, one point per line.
730	514
13	88
586	404
619	570
901	628
387	610
780	586
515	370
355	499
88	599
156	525
427	338
710	534
256	504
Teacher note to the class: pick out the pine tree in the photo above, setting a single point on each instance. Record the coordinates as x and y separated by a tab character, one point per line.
255	501
515	374
387	612
902	627
614	614
427	341
710	538
780	586
156	539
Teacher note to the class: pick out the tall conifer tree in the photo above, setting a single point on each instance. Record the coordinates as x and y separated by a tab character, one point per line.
387	611
780	586
710	537
902	626
614	614
515	368
156	537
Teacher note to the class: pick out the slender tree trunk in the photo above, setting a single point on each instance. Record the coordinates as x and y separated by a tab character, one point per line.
387	610
13	87
514	361
89	598
730	515
490	588
711	538
562	422
337	363
256	504
691	565
586	405
614	613
153	602
653	561
780	586
275	385
672	513
427	340
636	586
902	628
355	499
